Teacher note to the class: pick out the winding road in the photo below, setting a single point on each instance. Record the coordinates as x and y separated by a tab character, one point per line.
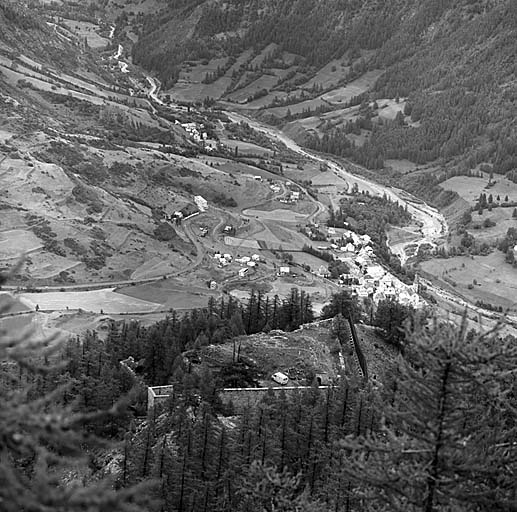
432	222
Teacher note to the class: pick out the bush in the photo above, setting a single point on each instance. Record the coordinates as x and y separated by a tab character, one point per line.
165	232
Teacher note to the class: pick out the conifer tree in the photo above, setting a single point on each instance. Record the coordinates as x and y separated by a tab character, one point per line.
41	439
448	435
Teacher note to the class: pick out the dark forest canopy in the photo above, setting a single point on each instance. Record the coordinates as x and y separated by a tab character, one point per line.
436	434
452	61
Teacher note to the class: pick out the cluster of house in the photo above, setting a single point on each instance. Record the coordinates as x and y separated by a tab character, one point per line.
294	195
196	132
366	278
357	244
246	262
372	280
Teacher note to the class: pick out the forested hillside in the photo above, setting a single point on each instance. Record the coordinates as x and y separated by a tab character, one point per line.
418	440
451	62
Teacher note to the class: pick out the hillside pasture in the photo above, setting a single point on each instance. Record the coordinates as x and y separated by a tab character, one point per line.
266	101
16	242
328	75
266	82
259	59
496	279
198	72
389	108
48	265
503	219
246	148
85	29
297	108
469	188
354	88
403	166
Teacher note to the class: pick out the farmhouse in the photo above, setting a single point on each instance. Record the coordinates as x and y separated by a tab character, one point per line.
284	271
243	272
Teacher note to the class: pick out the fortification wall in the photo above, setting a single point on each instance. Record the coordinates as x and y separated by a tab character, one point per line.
241	398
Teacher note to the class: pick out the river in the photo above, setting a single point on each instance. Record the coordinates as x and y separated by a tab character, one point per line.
432	223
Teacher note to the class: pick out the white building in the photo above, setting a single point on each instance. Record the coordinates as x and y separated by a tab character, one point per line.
201	203
285	271
243	272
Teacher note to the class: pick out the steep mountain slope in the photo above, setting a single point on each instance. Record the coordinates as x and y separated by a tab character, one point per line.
451	63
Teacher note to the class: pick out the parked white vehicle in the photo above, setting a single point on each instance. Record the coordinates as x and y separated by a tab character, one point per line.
280	378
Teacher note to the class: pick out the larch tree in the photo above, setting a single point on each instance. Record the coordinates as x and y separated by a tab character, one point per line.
447	439
43	442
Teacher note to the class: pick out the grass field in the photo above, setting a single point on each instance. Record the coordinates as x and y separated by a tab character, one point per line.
198	72
246	148
503	219
496	279
296	108
259	59
264	82
16	242
329	75
389	108
233	241
106	300
358	86
404	166
281	215
169	294
87	30
469	188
